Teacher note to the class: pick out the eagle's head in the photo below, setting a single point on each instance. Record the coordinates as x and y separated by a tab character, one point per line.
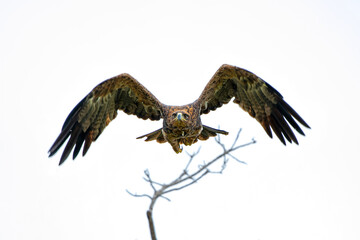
179	119
181	122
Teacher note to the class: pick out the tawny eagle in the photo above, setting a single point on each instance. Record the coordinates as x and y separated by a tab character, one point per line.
181	124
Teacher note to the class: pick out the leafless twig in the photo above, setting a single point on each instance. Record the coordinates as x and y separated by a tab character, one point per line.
186	179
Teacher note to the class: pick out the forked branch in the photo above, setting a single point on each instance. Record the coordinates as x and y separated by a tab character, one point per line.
187	178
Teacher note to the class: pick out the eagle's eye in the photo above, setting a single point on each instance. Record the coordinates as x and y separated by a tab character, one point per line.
180	116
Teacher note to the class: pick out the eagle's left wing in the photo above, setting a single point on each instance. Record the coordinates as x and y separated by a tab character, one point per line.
253	95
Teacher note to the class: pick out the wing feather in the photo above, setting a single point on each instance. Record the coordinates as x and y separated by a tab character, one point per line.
255	96
91	115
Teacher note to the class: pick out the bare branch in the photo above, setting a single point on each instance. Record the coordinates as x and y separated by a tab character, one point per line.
186	185
237	138
138	195
236	159
186	179
148	179
151	224
192	156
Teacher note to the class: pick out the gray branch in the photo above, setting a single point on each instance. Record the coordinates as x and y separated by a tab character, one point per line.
186	179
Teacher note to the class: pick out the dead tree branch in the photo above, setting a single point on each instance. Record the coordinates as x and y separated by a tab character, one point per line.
186	179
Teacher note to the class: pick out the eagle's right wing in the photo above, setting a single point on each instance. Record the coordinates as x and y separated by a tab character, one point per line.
89	118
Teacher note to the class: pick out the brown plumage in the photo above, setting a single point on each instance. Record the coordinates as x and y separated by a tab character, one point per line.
181	124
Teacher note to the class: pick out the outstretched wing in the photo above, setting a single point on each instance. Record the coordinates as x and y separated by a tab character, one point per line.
89	118
255	96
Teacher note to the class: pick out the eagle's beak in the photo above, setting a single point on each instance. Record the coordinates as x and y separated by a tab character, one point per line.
179	116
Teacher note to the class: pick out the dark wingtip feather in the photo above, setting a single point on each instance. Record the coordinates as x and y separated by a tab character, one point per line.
73	112
277	130
71	143
266	126
286	130
79	144
71	128
89	138
271	88
291	111
65	133
58	142
289	118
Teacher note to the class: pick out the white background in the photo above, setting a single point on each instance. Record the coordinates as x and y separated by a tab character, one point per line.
52	53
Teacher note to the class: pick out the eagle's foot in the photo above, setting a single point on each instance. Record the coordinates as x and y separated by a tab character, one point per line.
177	148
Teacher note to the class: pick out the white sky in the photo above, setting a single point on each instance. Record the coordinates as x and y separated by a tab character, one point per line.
53	54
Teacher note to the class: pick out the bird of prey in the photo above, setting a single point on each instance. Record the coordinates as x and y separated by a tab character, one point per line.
181	124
